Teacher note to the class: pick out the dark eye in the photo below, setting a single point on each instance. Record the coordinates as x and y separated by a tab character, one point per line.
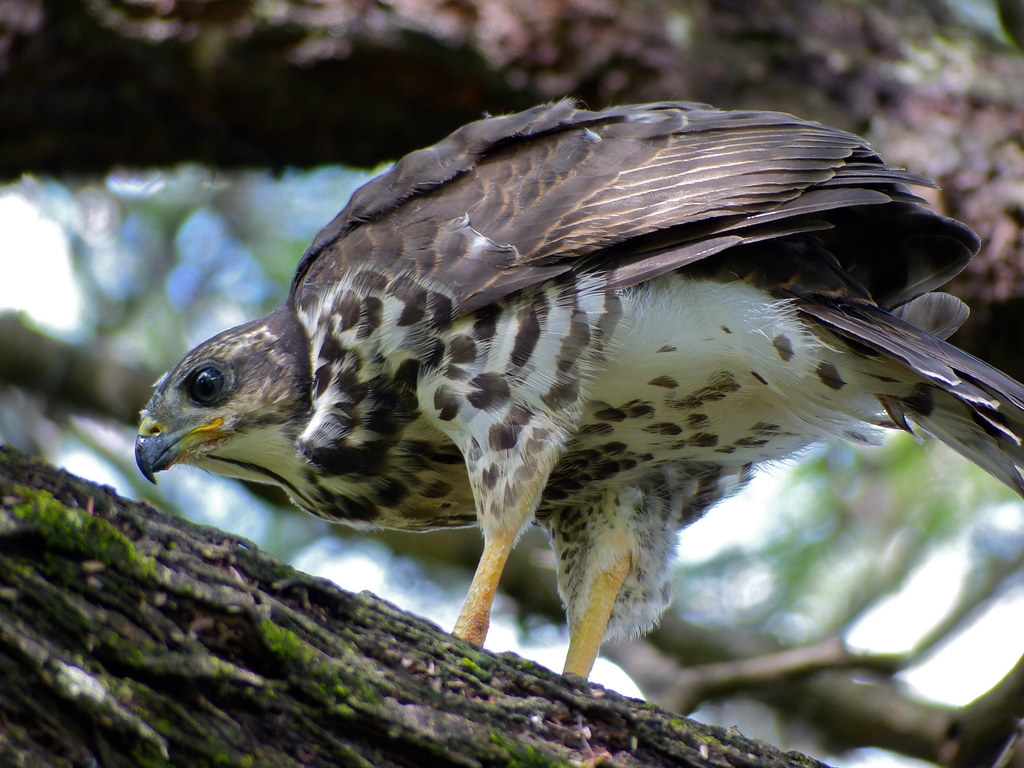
206	385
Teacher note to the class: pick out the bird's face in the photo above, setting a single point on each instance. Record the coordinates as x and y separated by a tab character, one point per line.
231	406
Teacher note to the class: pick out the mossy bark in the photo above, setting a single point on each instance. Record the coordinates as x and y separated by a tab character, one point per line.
128	638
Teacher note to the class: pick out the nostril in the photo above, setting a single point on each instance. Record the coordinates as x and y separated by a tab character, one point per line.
154	430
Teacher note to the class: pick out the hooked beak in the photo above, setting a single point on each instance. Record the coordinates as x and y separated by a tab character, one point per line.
157	449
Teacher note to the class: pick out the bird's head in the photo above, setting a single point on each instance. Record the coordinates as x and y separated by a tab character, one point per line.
232	405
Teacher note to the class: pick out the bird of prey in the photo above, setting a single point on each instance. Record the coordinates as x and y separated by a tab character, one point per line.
599	322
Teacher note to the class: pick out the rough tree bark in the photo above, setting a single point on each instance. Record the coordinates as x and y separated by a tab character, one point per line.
128	638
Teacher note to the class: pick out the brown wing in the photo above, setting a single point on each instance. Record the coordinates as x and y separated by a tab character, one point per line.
635	191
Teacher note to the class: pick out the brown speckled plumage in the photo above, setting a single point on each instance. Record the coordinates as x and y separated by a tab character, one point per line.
601	322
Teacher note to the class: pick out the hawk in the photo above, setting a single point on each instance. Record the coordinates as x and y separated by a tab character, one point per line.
599	322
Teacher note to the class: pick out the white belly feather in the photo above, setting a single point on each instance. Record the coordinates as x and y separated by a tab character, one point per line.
709	371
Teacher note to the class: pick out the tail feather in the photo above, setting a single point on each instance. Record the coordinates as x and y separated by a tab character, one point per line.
972	407
941	314
985	436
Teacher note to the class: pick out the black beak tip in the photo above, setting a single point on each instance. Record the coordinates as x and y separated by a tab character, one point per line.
144	457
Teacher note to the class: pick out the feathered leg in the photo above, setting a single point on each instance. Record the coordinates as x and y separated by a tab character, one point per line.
613	565
587	630
506	502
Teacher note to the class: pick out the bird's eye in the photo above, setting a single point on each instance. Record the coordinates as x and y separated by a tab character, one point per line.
206	385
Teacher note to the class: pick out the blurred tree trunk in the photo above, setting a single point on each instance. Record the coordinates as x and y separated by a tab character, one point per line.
86	86
128	638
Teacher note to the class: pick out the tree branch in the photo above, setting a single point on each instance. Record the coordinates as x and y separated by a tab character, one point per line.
851	703
134	639
709	681
81	379
991	725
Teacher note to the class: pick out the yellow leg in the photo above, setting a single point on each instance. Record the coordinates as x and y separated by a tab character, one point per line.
585	635
476	611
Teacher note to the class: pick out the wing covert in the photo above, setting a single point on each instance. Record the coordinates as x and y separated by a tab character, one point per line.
509	202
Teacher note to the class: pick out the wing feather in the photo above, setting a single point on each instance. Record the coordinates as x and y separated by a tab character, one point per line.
974	408
636	191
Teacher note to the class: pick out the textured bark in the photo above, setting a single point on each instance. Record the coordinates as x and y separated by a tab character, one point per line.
130	638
